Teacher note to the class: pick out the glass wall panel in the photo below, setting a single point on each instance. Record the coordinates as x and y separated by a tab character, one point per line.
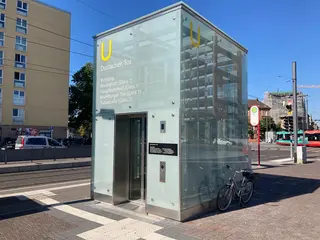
138	70
213	110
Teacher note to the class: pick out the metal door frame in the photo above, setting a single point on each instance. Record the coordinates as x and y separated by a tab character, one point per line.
143	117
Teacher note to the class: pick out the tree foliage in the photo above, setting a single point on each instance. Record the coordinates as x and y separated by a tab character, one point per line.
80	99
266	124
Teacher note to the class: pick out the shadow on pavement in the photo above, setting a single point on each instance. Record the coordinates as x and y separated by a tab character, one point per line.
17	206
274	188
271	189
12	207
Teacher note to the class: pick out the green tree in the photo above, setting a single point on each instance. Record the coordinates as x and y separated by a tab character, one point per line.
267	124
80	99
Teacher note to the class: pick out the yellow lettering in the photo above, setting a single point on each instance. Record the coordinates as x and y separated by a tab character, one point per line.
191	36
103	58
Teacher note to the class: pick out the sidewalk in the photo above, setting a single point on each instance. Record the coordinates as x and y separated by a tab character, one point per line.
26	166
284	207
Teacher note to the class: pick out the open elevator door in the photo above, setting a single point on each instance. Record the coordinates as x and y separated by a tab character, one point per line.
130	159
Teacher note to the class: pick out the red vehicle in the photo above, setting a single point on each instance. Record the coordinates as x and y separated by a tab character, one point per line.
313	137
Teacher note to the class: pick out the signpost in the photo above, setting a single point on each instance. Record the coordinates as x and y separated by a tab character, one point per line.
255	122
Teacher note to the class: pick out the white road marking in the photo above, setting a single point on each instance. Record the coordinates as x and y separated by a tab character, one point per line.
77	212
46	192
282	160
125	229
46	186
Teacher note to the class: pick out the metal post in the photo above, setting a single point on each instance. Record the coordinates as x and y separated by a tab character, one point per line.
259	141
307	115
6	156
305	127
291	149
295	110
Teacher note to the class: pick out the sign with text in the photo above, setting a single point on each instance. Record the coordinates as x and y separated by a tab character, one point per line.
168	149
254	116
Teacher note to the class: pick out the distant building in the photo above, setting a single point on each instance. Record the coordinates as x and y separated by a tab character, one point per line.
34	68
277	101
264	112
264	109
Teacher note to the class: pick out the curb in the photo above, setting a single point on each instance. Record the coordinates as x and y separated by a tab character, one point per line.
39	167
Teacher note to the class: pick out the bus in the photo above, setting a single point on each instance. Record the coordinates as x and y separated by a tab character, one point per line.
284	138
313	137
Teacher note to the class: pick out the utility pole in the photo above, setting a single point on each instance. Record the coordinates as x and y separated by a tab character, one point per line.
295	110
307	114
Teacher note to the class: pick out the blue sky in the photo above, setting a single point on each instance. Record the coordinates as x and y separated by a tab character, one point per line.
276	32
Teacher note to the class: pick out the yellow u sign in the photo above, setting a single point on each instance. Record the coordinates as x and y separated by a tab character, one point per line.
191	37
103	58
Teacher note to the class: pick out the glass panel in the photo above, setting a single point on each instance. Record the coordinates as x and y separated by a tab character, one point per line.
213	111
135	159
142	74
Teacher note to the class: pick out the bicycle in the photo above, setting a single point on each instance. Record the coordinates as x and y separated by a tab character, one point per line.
231	190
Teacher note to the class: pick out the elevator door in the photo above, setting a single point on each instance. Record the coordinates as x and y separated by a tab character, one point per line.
137	159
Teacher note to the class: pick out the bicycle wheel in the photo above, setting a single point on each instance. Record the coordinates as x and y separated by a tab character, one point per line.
224	197
247	191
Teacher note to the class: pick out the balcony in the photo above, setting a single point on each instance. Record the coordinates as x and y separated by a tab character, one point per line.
17	120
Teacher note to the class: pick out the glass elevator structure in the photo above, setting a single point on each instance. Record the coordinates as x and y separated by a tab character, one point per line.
170	111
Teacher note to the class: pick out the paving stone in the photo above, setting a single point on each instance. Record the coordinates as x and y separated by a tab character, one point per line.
89	207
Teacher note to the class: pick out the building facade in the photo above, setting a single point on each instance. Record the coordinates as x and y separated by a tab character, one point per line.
264	109
169	90
34	68
278	101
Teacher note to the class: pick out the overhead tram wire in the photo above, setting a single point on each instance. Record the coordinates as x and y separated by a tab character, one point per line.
39	70
52	32
95	9
44	45
39	65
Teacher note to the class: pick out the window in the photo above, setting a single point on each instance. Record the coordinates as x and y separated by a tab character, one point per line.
0	114
53	143
18	115
0	95
2	20
1	58
19	79
18	97
3	4
21	43
1	39
22	8
36	141
22	26
1	76
20	61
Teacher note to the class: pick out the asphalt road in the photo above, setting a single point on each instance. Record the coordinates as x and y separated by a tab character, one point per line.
274	152
16	180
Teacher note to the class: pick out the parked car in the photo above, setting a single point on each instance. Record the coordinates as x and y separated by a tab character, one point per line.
36	142
8	143
223	141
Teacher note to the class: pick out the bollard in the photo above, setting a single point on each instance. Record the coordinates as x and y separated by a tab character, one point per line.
5	157
54	154
291	152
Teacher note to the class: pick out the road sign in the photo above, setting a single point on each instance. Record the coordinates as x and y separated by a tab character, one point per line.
254	116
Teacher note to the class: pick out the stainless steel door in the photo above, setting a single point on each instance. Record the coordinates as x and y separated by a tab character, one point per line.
121	160
135	180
